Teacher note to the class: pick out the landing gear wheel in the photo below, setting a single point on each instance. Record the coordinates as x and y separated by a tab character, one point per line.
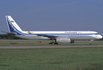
72	41
53	43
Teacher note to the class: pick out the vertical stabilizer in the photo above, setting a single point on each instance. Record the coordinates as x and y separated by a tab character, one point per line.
12	25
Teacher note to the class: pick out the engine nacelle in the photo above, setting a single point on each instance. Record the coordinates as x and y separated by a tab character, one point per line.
63	39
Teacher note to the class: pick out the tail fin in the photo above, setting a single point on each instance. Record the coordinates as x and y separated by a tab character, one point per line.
12	25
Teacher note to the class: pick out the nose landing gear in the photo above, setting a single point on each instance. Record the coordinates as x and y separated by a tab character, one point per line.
90	43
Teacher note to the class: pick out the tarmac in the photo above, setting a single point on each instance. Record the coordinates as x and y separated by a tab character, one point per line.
48	46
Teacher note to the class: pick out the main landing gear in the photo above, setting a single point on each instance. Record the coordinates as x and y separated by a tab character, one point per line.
90	43
53	42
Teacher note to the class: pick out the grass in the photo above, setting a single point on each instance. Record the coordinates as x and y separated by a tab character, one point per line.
44	43
78	58
52	59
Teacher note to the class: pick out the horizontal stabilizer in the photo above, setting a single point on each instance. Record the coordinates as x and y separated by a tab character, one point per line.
9	33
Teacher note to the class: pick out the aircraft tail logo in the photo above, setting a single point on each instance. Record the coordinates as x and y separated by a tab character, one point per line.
12	26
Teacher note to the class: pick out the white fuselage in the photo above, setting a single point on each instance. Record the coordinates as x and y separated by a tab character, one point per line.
73	35
60	36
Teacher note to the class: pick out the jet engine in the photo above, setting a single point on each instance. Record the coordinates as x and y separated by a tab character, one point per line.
63	39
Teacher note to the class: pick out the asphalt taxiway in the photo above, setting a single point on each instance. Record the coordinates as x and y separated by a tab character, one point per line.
48	46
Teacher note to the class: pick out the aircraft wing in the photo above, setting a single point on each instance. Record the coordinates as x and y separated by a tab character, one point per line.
49	36
9	33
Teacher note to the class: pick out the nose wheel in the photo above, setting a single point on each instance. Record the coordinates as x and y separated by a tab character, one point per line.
90	43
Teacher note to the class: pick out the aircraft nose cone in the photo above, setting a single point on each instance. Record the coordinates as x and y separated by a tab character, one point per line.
100	37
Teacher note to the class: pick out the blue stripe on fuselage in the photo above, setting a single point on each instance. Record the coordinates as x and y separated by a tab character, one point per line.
13	29
68	34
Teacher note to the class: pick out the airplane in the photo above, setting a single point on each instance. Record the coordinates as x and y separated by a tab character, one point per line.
55	36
